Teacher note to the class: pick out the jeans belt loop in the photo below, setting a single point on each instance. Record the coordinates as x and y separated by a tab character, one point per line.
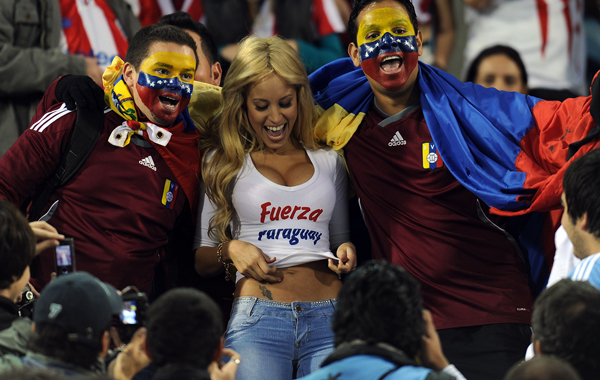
251	306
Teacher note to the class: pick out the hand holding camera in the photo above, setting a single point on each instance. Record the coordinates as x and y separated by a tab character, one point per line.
135	305
64	256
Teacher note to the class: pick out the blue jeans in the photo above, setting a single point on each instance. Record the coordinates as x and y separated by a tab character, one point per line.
274	338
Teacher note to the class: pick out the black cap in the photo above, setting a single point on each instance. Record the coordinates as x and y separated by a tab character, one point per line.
79	303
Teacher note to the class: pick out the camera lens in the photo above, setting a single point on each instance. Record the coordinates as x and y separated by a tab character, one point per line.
28	295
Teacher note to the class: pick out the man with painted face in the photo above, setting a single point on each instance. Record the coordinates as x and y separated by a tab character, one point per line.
387	49
444	152
429	223
142	173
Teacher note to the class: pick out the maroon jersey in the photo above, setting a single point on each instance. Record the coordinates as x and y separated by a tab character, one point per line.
421	218
119	206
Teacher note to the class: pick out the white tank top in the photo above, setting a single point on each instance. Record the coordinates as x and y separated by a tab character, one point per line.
294	224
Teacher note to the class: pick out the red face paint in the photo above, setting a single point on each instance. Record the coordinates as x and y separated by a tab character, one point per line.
396	79
388	48
162	111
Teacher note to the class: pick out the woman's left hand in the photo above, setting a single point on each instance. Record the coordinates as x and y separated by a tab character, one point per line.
347	259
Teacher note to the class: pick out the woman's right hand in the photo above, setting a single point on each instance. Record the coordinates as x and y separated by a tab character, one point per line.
251	261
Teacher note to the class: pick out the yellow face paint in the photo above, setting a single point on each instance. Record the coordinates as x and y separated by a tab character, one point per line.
164	85
170	65
388	48
384	20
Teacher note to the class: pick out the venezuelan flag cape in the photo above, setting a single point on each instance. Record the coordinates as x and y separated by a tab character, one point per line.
507	148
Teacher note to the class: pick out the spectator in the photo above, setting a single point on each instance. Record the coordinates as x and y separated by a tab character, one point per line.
436	24
344	7
16	251
460	145
99	29
181	262
549	39
581	209
119	214
591	27
150	11
209	68
581	216
499	67
566	324
31	54
180	371
27	373
311	31
276	209
542	368
72	317
183	338
309	26
380	328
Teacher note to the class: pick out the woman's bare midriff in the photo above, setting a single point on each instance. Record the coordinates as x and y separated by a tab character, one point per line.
308	282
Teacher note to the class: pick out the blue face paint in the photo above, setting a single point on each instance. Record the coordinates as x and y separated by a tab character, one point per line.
388	43
171	85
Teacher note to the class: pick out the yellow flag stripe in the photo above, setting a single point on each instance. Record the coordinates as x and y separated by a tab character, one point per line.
425	154
165	191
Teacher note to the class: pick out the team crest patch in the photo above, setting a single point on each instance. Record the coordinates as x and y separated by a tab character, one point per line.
170	194
431	157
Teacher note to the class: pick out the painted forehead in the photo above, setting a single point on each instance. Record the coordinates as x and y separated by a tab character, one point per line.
174	62
385	20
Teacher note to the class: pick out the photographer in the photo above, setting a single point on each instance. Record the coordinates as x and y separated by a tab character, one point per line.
17	248
70	332
183	338
382	331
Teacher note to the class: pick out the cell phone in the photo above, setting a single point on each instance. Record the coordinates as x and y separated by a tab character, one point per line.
133	314
129	314
64	256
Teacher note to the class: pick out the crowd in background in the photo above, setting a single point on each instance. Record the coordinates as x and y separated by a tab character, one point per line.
226	133
43	39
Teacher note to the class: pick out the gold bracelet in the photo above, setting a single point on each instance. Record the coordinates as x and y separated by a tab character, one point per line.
220	259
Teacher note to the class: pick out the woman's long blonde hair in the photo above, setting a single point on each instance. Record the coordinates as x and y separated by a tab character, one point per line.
232	137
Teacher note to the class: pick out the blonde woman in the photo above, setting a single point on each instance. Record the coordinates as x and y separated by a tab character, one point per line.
275	209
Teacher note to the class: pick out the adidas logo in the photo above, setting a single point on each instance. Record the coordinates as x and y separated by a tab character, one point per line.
149	162
397	140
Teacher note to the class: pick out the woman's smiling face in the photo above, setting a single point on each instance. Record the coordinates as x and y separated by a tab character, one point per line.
272	107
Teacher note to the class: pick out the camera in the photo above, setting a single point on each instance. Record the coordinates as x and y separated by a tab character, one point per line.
25	305
64	256
133	315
